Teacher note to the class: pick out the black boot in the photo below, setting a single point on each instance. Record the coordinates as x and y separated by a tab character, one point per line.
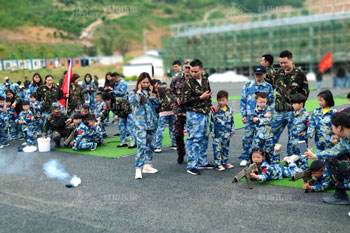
339	198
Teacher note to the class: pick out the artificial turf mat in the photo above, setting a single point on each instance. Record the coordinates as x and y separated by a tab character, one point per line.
110	151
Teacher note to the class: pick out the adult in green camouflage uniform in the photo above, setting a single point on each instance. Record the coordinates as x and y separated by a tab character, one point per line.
55	124
76	95
338	158
289	81
48	94
267	62
176	86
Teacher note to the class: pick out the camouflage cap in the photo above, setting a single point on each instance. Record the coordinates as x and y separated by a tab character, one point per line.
56	107
187	62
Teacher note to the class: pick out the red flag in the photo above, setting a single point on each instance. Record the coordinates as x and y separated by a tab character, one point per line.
65	86
326	62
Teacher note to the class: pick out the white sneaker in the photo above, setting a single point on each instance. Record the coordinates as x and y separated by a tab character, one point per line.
243	163
220	168
138	174
1	146
291	159
158	150
147	168
24	144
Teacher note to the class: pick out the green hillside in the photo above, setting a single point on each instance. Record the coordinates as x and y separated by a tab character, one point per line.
114	33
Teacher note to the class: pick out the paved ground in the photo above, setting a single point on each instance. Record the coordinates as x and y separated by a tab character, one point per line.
110	200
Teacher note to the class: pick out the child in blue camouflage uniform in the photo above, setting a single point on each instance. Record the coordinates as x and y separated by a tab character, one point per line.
298	131
222	127
12	120
166	117
263	137
320	122
144	99
35	107
248	105
300	125
266	171
98	111
27	120
83	138
322	179
196	97
95	132
3	123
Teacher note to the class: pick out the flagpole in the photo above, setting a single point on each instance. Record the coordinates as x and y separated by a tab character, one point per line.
69	74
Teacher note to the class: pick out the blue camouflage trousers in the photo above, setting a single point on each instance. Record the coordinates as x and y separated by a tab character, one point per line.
28	134
125	126
13	131
279	121
266	145
145	146
3	135
220	150
249	131
197	139
162	122
289	171
84	145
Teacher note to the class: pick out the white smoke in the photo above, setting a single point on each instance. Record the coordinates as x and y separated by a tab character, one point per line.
54	170
15	163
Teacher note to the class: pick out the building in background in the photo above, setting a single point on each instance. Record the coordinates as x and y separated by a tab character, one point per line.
237	43
150	62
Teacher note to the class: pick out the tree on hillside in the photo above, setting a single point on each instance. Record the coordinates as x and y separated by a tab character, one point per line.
122	46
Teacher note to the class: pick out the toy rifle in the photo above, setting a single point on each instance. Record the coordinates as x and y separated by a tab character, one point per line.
245	173
70	138
306	175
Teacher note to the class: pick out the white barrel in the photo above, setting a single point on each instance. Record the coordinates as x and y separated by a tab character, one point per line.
44	144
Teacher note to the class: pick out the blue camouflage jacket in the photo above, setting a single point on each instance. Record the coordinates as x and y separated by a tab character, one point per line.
120	88
343	146
3	118
222	123
247	102
269	172
321	184
263	126
82	134
28	118
300	124
320	126
144	115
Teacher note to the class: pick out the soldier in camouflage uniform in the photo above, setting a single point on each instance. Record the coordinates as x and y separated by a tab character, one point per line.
76	95
267	62
55	125
48	94
144	100
122	109
248	105
27	120
289	81
338	158
196	97
176	86
166	117
320	122
82	139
